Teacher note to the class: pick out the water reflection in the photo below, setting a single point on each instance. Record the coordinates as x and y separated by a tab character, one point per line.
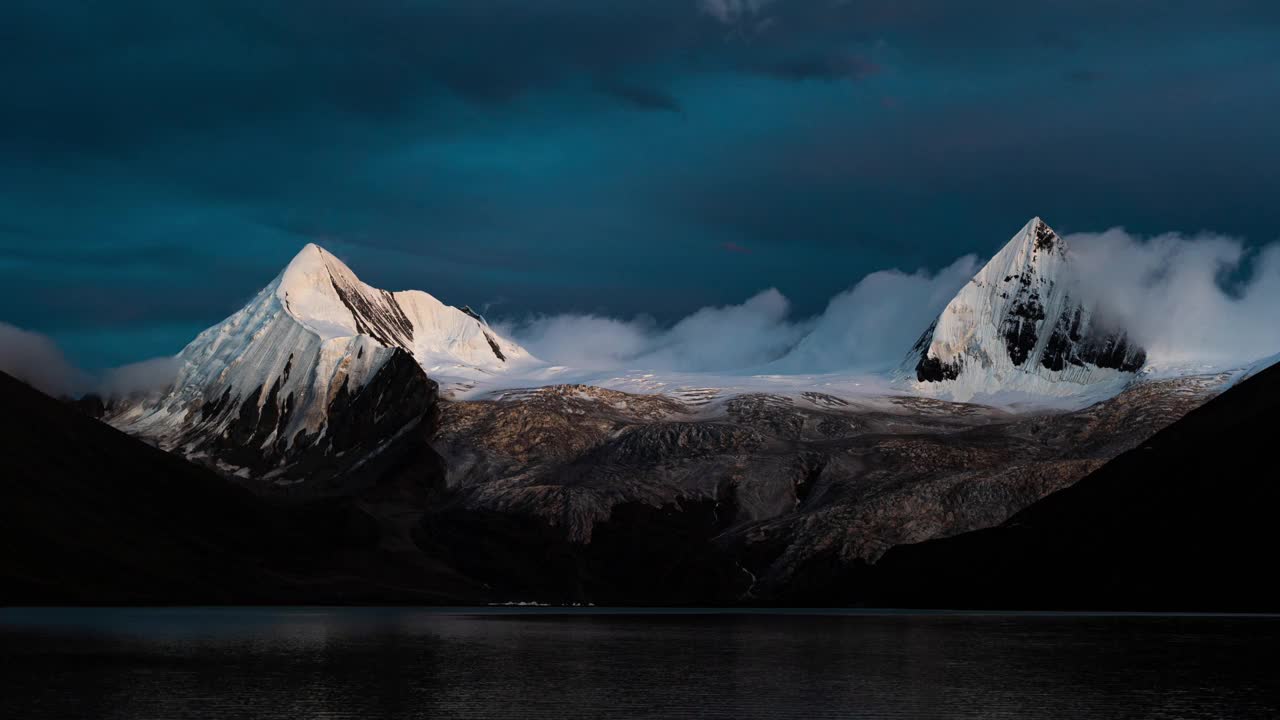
388	663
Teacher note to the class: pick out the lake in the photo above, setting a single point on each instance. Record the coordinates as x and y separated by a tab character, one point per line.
297	663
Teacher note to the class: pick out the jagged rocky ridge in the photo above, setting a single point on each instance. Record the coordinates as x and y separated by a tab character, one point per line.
1017	326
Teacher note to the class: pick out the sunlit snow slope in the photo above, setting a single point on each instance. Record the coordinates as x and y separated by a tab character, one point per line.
317	342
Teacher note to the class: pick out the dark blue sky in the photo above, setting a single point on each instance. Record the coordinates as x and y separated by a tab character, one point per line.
160	161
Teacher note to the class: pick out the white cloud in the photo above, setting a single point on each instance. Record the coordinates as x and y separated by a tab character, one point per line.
1202	298
733	337
871	326
1175	294
36	360
140	378
582	341
867	328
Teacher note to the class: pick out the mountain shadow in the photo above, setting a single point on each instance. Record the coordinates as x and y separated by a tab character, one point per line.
1184	522
89	515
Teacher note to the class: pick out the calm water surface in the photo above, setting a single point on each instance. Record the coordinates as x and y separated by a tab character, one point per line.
387	663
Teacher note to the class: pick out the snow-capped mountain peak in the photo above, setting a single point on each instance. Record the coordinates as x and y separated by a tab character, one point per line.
323	294
1018	326
308	288
316	354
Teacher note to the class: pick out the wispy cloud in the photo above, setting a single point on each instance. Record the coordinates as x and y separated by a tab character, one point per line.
37	361
140	378
731	12
866	328
870	326
1187	299
725	338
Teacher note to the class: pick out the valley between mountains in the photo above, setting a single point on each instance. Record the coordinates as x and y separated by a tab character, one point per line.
452	465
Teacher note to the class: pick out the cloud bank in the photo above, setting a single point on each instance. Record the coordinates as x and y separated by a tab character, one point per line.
1200	298
728	338
1188	299
868	327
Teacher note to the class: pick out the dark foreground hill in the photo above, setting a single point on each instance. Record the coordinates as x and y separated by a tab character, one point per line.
91	515
1186	521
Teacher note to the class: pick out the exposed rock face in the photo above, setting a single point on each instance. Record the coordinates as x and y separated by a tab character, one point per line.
754	498
362	422
255	436
1017	326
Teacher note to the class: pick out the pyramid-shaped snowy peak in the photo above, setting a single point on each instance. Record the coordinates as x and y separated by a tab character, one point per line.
1019	326
314	350
324	295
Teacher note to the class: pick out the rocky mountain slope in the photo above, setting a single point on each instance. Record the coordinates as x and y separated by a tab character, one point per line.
1185	521
89	515
1019	326
576	494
